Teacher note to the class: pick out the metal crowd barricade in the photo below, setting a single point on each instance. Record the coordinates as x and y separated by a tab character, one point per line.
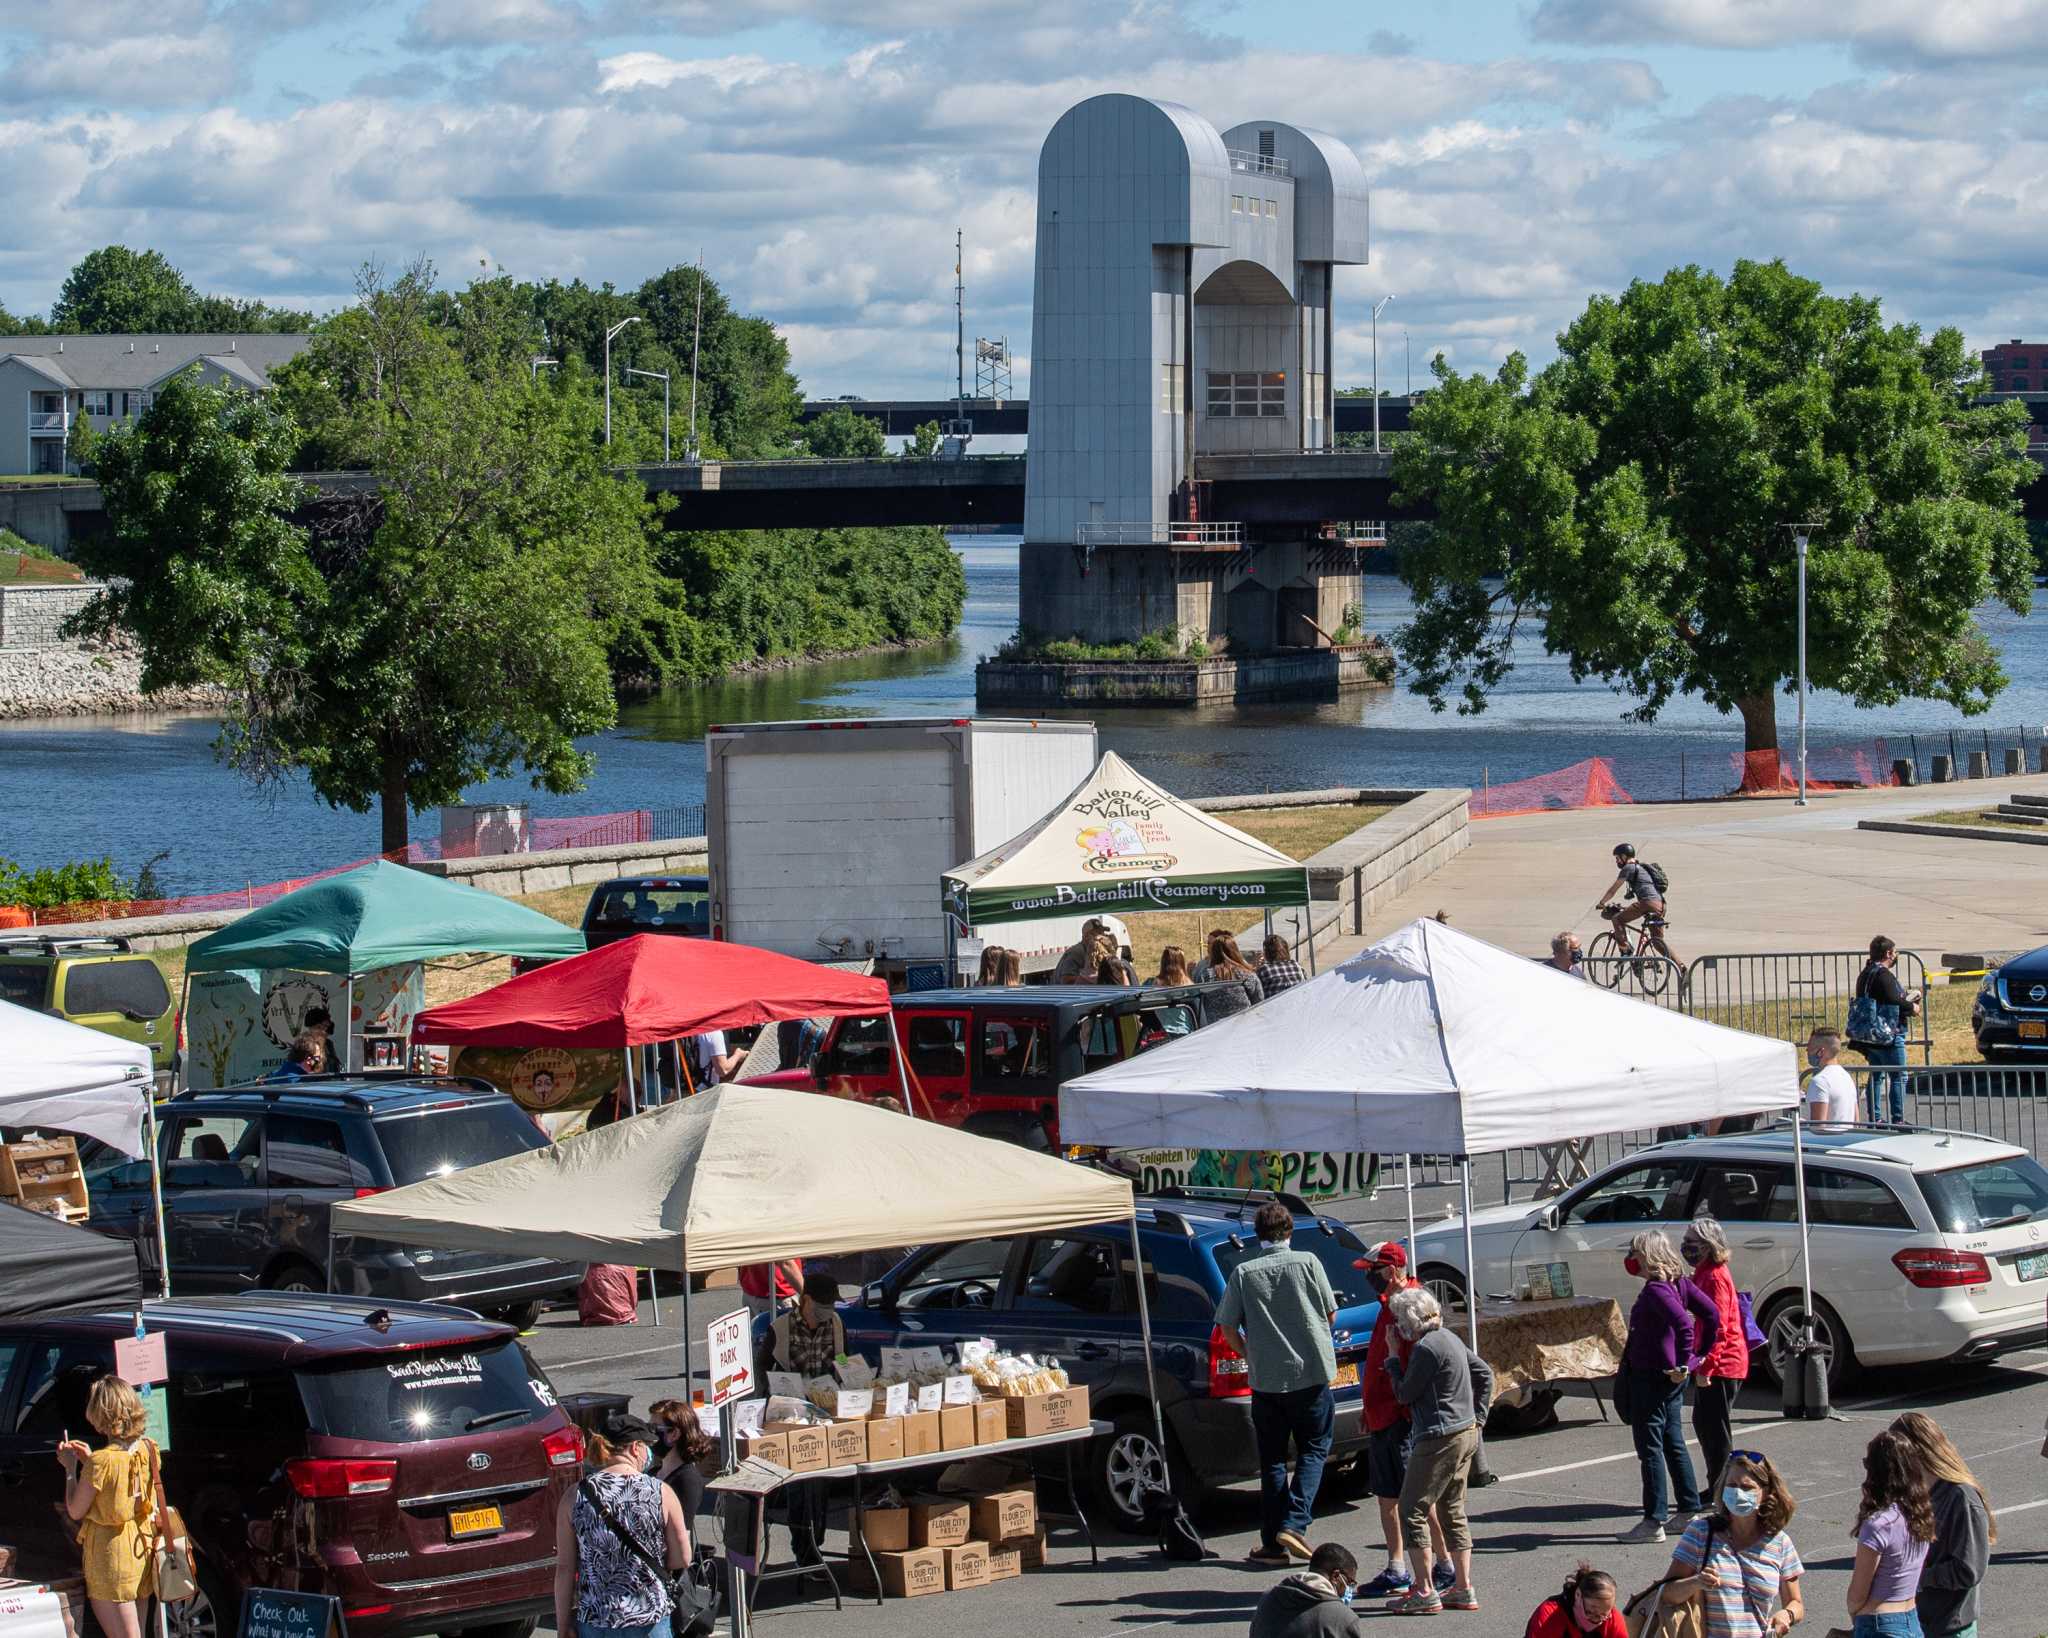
2002	1101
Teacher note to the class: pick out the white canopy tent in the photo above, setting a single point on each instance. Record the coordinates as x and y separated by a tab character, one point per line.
1433	1042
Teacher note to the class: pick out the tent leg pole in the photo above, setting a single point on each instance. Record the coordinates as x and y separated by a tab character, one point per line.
902	1072
347	1032
156	1194
1308	920
1408	1183
183	1077
1471	1267
1145	1335
688	1375
1805	1251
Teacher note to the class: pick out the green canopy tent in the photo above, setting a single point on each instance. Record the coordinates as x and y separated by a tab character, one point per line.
1118	843
380	918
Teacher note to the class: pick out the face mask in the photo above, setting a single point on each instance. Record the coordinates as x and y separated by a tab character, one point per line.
1584	1617
1740	1502
1379	1279
1690	1252
1350	1592
1813	1056
1632	1265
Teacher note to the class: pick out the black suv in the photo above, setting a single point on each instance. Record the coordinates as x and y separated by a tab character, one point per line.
249	1174
2010	1015
407	1460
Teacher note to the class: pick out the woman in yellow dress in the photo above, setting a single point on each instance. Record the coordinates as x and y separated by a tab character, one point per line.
110	1491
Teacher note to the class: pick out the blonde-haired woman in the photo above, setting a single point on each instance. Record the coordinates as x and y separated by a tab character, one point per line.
1670	1326
113	1495
1173	967
1964	1529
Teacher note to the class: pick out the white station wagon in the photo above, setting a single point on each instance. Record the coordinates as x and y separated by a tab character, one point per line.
1926	1245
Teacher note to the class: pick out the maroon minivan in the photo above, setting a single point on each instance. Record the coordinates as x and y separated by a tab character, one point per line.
406	1458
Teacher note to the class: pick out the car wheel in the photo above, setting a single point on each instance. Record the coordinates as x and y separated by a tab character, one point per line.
521	1316
1444	1283
213	1611
1128	1463
294	1275
1535	1413
1780	1325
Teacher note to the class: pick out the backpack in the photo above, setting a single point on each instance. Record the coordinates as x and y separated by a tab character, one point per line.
1657	875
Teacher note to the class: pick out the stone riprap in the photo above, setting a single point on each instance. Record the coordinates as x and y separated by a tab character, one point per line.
74	682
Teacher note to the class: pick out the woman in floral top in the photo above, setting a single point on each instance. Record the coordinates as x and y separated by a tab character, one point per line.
603	1589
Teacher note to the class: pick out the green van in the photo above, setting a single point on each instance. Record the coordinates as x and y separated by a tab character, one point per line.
102	983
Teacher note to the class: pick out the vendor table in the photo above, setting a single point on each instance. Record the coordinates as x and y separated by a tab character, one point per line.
855	1472
1561	1339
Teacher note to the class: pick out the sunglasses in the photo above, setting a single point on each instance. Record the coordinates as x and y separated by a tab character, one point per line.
1755	1458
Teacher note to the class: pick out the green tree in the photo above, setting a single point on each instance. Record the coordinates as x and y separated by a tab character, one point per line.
842	435
26	324
924	443
461	621
1633	497
116	291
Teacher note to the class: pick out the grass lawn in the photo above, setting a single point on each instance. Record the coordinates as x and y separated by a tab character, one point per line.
1948	1014
1976	816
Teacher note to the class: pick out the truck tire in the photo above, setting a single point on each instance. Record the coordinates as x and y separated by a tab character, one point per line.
1021	1130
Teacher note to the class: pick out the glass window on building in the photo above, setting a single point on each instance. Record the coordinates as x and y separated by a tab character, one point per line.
1272	207
99	403
1272	394
1247	394
2019	384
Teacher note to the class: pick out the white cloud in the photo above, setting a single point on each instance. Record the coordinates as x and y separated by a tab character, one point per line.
442	24
1885	30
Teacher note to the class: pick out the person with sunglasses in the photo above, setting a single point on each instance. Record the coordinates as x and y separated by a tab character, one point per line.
1737	1560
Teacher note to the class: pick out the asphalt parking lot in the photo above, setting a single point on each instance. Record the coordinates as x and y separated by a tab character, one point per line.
1565	1494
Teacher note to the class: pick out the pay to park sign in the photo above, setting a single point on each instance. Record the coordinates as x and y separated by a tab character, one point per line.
732	1357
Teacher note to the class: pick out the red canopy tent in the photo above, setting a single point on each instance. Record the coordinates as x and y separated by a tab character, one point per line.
649	988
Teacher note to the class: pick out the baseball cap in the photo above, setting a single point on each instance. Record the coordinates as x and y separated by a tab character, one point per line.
624	1428
1386	1254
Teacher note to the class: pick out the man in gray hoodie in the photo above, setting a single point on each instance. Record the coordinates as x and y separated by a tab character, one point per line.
1311	1603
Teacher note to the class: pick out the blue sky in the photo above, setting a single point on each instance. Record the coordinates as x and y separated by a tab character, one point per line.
1523	155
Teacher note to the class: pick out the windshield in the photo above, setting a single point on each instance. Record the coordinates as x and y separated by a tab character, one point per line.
435	1394
1992	1194
668	906
1336	1251
437	1141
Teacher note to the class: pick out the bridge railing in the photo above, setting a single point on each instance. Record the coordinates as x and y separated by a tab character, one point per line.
1159	534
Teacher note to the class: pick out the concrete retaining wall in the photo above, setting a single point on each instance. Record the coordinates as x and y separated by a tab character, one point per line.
33	616
1299	674
514	875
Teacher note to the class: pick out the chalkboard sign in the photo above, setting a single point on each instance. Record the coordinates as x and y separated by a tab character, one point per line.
268	1612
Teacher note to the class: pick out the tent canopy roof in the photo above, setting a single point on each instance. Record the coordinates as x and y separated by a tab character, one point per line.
1430	1042
60	1074
650	987
1117	842
738	1175
45	1263
379	915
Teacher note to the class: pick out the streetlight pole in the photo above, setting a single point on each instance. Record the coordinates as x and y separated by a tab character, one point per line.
1800	533
662	376
614	330
1376	306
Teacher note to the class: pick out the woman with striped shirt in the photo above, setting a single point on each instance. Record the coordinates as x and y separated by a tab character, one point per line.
1737	1560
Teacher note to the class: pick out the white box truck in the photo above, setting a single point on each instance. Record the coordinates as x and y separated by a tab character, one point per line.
828	838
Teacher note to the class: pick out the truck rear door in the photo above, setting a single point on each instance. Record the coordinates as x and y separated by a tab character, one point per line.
935	1042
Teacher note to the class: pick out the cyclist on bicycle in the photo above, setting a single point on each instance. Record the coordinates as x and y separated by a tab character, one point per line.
1648	906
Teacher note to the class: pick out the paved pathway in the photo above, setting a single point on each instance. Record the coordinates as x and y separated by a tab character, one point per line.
1749	875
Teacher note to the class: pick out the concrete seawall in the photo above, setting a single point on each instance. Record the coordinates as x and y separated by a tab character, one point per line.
1293	675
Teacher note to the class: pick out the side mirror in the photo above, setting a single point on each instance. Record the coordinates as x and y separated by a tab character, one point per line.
1549	1218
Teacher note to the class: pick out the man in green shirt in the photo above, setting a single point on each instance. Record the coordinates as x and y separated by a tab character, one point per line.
1276	1310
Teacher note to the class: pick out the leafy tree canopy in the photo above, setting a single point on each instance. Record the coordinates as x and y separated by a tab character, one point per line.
924	442
116	290
1634	498
843	434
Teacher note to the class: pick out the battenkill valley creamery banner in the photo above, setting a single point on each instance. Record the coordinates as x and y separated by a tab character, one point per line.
1119	843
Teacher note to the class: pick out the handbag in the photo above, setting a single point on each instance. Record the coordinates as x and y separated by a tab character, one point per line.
1752	1333
1871	1022
1647	1615
696	1600
176	1579
1179	1541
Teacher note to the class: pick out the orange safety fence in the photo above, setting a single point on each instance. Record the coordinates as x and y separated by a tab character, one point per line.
1612	781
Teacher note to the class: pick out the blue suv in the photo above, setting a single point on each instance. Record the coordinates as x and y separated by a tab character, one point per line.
1070	1293
250	1173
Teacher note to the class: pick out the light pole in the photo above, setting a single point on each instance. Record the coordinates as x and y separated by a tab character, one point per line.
1800	533
662	376
614	330
1376	306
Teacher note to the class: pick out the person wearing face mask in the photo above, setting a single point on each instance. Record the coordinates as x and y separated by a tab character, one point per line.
611	1532
1738	1561
1585	1608
1718	1382
1390	1427
1662	1326
1830	1090
1311	1603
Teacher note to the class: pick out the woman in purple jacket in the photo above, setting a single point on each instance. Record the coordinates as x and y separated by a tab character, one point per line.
1669	1330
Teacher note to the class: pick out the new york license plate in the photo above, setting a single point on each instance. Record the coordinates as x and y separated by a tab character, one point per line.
474	1521
2034	1265
1347	1375
2033	1029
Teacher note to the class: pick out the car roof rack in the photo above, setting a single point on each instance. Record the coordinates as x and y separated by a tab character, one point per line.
49	943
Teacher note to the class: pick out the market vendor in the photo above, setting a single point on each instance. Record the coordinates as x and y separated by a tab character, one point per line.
806	1341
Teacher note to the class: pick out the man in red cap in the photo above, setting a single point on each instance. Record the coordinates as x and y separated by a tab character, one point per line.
1387	1420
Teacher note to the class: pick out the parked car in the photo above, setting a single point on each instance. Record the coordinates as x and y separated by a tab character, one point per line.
1926	1245
676	905
102	983
993	1060
405	1459
1071	1294
250	1173
2010	1014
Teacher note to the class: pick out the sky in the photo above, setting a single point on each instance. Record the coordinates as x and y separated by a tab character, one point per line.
1523	154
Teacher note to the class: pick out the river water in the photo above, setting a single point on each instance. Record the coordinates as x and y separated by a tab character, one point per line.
132	786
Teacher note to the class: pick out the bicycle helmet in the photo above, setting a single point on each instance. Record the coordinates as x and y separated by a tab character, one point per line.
1624	850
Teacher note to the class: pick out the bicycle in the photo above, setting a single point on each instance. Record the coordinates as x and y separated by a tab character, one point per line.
1610	958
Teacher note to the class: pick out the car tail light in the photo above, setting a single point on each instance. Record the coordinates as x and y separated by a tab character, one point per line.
1932	1267
1230	1373
326	1479
369	1609
563	1447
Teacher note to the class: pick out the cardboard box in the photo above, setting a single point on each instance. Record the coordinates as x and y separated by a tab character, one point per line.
848	1442
956	1428
774	1446
1000	1515
938	1521
885	1439
966	1565
921	1433
884	1529
915	1573
1030	1549
1004	1562
1048	1413
991	1422
810	1445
